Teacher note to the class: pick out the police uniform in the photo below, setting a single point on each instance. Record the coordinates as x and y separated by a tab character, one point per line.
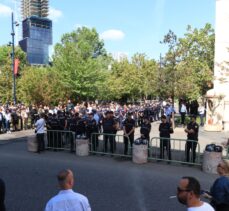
91	128
164	129
108	127
191	145
129	124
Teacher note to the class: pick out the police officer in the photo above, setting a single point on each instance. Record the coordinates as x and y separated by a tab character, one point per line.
71	122
145	129
192	136
55	133
91	128
165	130
108	124
128	129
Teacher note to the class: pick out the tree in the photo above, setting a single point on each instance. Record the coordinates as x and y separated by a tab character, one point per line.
40	85
6	77
188	64
197	53
170	61
81	60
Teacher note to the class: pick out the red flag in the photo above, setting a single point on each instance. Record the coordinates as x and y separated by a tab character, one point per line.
16	65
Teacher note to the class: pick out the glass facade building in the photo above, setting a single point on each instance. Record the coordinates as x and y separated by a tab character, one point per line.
36	31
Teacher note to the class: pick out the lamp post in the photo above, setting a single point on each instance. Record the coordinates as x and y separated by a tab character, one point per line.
12	57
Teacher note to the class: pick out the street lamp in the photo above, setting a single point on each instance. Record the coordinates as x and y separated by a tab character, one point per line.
13	56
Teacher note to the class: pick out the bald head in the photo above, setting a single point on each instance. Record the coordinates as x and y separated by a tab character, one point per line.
65	179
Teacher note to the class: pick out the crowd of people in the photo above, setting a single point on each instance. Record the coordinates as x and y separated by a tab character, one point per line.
87	118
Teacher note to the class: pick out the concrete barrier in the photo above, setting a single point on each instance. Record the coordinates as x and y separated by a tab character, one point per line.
140	153
32	145
82	148
210	161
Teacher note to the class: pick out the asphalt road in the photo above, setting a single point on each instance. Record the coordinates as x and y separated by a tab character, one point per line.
111	184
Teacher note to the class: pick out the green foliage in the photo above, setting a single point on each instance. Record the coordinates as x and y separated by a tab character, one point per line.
188	64
6	74
82	70
81	61
40	85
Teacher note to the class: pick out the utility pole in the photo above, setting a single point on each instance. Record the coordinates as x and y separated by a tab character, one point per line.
13	58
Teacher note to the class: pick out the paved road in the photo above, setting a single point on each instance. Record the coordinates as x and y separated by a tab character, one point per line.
111	184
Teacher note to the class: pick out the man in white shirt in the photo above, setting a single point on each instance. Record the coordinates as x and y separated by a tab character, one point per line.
40	130
188	193
67	199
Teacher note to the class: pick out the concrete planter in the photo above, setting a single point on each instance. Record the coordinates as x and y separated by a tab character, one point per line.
82	148
210	161
32	145
140	154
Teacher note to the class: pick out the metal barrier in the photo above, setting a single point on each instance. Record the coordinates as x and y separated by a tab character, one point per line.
177	150
109	144
60	140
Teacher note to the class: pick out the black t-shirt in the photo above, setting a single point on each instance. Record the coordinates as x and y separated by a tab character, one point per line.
164	129
108	125
91	125
195	127
129	124
145	129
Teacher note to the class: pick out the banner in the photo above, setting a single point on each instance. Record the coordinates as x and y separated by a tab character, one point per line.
16	65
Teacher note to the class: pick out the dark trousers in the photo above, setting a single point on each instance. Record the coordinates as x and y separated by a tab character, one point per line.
111	139
190	145
183	114
126	138
93	140
40	142
69	140
165	144
201	119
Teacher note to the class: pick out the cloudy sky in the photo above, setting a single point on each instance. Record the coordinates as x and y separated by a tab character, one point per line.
127	26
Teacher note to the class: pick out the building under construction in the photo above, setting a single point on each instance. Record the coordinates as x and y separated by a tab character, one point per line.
36	31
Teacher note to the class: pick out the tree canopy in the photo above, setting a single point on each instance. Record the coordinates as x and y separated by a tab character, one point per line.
82	70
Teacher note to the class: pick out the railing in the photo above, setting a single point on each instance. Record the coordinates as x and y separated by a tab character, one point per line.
109	144
60	140
176	150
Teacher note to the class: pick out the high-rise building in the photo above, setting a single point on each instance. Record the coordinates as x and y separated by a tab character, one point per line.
36	31
37	8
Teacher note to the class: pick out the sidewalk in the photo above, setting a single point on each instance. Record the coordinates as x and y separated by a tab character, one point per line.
15	135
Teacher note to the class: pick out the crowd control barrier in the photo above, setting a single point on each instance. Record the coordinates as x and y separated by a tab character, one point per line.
174	150
60	140
108	144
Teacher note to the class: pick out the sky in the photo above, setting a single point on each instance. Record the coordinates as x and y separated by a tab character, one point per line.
126	26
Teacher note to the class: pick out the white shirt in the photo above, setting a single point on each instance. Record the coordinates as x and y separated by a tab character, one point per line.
201	110
40	125
204	207
68	200
8	117
183	108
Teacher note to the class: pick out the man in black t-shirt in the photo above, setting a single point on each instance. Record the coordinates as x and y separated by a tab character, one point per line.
108	124
128	129
192	138
164	129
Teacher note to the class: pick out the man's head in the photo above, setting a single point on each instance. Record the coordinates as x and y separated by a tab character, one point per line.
65	179
223	168
129	115
163	118
193	118
188	190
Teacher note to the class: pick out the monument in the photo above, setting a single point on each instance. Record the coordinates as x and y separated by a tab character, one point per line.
217	118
